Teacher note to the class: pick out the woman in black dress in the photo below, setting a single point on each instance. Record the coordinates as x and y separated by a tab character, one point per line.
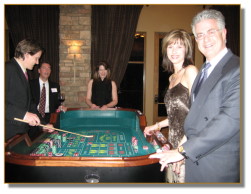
102	91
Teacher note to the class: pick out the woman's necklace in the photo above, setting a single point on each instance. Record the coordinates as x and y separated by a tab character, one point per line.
174	76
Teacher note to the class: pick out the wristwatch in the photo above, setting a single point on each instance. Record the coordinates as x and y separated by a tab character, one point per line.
182	151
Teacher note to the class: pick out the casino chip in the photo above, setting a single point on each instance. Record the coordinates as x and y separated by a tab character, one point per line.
59	154
76	154
50	154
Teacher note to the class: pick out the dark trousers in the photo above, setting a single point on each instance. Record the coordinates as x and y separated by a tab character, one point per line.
47	118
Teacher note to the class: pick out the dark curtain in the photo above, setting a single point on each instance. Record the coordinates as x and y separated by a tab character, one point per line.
40	22
113	29
232	18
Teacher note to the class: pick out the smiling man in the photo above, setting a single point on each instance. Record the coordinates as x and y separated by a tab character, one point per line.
18	102
212	126
52	90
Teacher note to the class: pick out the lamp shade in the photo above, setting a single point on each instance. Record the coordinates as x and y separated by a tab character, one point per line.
74	49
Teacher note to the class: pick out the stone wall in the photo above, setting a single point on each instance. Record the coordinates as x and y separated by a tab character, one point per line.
74	67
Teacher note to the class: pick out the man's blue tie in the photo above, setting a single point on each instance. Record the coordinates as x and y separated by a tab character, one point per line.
203	77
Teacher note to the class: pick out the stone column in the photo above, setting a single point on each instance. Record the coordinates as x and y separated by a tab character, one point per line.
75	67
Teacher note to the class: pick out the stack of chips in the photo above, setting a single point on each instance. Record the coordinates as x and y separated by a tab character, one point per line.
57	143
46	147
76	154
60	137
135	144
156	146
162	141
160	137
64	137
51	143
166	147
54	149
47	142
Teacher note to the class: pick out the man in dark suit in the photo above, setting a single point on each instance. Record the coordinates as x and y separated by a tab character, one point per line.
18	102
212	126
52	90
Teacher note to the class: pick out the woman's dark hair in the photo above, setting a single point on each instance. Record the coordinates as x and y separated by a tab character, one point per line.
106	66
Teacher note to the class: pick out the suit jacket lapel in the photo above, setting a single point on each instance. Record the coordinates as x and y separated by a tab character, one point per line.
50	96
210	82
21	74
37	91
25	82
195	84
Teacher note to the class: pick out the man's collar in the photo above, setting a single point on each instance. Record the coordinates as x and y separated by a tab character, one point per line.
19	63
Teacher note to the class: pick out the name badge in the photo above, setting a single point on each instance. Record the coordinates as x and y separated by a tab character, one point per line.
54	90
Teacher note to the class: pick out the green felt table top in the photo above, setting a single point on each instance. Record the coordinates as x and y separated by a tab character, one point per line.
112	136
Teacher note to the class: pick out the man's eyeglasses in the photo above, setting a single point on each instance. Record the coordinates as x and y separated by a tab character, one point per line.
209	33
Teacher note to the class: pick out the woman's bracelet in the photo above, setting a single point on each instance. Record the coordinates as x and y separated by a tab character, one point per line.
158	127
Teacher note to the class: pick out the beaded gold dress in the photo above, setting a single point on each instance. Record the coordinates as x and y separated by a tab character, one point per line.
177	107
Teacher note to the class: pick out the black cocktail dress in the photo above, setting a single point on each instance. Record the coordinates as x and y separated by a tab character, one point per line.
101	92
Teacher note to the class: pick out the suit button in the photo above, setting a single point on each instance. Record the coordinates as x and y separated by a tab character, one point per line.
205	118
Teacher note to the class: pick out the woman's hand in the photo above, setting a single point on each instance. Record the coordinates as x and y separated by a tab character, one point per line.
104	107
177	166
149	130
94	106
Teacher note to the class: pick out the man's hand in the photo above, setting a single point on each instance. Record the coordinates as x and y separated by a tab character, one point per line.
48	128
62	108
32	119
167	157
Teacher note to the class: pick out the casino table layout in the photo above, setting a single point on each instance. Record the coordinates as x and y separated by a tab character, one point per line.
109	144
